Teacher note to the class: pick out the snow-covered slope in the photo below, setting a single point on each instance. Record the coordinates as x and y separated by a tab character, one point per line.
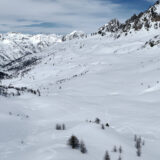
75	82
16	45
115	80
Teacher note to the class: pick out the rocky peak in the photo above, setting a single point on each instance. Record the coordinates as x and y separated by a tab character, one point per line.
74	35
149	19
112	26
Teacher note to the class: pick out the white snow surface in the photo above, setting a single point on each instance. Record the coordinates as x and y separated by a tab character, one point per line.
117	80
16	45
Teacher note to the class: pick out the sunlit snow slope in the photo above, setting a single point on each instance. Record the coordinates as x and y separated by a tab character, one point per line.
113	75
115	80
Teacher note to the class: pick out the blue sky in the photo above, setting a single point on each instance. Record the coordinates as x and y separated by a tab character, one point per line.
64	16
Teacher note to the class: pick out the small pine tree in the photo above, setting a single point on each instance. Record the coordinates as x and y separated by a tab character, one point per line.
135	137
102	126
58	127
73	142
107	156
138	146
83	148
63	126
138	143
119	158
114	149
120	150
143	143
107	124
139	152
97	120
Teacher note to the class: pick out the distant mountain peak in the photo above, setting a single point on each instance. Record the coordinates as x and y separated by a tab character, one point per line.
149	19
74	35
15	45
112	26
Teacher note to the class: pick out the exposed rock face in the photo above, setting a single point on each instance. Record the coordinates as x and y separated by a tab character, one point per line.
153	42
3	75
147	20
113	26
74	35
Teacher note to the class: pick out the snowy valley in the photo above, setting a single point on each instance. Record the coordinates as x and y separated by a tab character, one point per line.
104	88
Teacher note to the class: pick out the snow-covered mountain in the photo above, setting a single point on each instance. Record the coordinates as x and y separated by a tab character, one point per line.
16	45
102	89
148	20
74	35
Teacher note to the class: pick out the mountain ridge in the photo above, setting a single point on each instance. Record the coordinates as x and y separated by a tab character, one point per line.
102	89
16	45
144	20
